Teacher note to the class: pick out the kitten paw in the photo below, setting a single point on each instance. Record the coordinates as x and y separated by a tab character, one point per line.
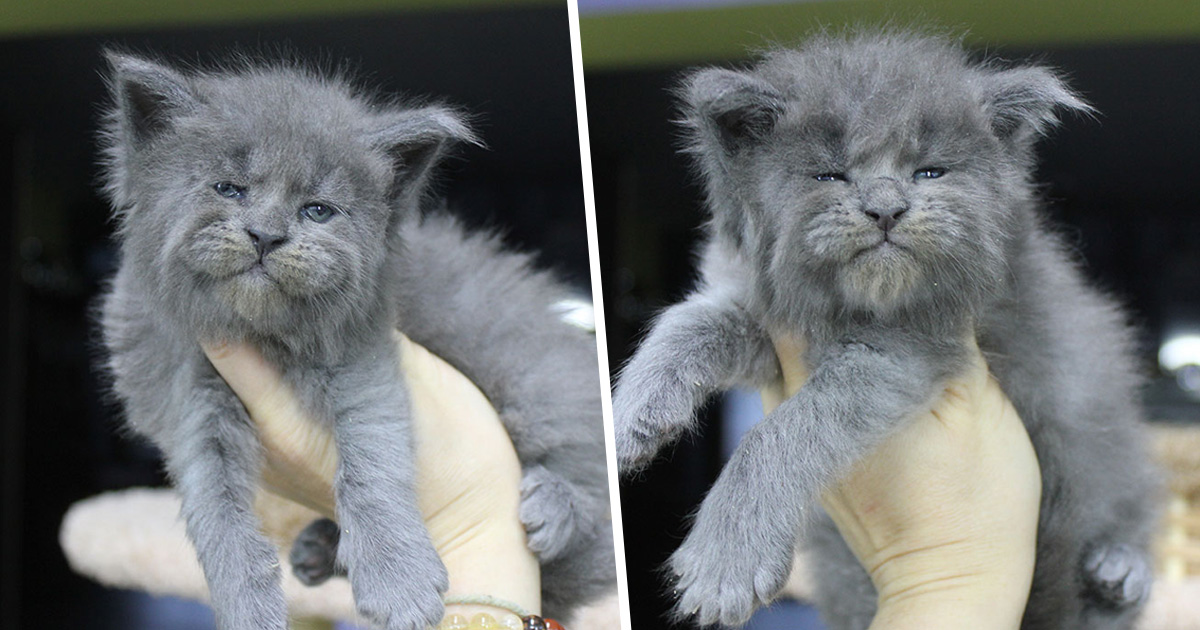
739	552
550	512
645	418
721	581
252	599
401	591
314	553
1116	576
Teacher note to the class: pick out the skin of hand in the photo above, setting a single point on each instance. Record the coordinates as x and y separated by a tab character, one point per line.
468	475
943	514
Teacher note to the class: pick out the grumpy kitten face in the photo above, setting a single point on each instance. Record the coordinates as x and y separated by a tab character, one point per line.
265	199
874	172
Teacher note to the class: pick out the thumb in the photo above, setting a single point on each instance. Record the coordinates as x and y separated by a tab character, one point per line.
257	384
966	391
975	376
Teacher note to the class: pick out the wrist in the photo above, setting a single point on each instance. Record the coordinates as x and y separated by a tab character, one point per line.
487	558
953	601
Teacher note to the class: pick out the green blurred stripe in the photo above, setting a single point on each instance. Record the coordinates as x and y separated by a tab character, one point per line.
41	17
680	37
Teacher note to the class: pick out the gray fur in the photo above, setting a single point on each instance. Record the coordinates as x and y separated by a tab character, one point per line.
966	252
320	304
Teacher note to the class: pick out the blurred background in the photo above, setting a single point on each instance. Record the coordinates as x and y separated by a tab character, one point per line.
508	63
1123	188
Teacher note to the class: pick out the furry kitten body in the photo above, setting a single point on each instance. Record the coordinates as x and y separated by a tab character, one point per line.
274	206
872	194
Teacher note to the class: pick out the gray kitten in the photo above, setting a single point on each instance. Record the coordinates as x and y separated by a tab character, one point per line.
872	193
272	205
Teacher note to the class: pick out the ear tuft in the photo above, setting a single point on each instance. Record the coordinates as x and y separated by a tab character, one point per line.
1024	101
417	139
736	106
147	95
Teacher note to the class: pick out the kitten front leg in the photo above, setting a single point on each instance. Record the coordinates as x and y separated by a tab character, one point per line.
394	571
694	348
739	552
215	468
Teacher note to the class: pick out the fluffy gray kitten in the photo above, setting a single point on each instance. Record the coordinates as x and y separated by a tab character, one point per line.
872	194
272	205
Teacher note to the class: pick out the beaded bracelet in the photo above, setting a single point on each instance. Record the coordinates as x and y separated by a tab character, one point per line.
481	621
534	622
484	621
520	619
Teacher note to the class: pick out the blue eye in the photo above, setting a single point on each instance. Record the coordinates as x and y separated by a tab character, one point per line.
317	212
229	190
830	177
929	173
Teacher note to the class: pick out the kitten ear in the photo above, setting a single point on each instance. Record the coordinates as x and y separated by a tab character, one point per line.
1022	102
147	95
732	107
416	139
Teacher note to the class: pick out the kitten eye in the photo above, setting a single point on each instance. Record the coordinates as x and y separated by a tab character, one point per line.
933	172
229	190
318	212
830	177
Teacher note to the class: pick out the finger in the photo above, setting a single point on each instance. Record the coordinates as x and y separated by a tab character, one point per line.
790	352
468	473
421	367
405	346
441	393
772	396
976	376
960	400
255	382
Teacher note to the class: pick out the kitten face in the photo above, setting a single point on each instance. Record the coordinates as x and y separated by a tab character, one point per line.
263	199
269	217
875	172
278	225
885	210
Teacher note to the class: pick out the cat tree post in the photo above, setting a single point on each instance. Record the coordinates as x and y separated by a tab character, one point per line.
135	539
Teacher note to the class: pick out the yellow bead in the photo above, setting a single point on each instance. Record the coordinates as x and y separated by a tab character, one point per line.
454	622
483	621
511	622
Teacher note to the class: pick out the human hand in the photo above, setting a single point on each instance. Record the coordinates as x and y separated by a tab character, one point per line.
468	475
943	515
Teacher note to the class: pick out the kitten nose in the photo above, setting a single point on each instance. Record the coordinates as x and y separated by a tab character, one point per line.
264	243
886	219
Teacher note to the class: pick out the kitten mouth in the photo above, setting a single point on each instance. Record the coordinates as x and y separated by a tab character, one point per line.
253	295
256	276
884	246
258	271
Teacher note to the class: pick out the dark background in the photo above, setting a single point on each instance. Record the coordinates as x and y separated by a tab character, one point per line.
1123	188
509	67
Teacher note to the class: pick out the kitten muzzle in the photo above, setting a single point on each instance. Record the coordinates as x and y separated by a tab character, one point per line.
265	243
